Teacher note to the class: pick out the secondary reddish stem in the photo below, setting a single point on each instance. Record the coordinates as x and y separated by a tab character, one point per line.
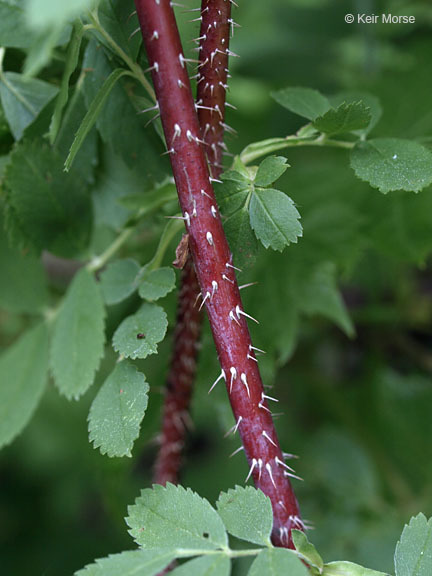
213	264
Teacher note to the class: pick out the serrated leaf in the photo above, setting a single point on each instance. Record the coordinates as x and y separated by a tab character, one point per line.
214	565
173	517
270	170
157	283
92	114
130	563
305	102
50	209
78	338
115	18
274	218
138	335
277	561
23	377
69	68
247	514
41	14
345	118
307	550
23	99
117	411
119	280
369	100
393	164
349	569
241	238
413	556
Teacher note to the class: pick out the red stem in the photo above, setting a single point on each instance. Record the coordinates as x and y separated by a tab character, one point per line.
212	79
213	264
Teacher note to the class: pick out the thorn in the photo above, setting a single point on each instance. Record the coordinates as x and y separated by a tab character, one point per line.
197	298
228	105
170	151
204	193
267	437
247	285
249	357
288	474
214	180
221	375
269	397
281	504
296	521
252	468
289	456
215	287
261	405
155	67
152	120
130	16
194	211
227	128
231	314
236	451
270	473
233	376
224	277
234	429
210	238
228	265
245	382
199	19
256	349
204	300
213	211
283	534
181	84
280	462
177	132
151	109
155	35
239	312
133	33
233	54
186	217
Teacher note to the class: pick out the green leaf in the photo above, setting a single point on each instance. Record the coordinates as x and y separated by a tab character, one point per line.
369	100
119	280
50	209
277	561
152	199
346	118
23	99
270	170
241	238
157	283
78	339
393	164
413	556
131	563
307	550
274	218
305	102
247	514
117	411
25	289
349	569
23	377
115	18
138	335
92	114
42	14
173	517
41	50
214	565
71	63
14	32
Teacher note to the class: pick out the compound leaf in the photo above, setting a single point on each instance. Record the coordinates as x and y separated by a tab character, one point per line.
119	280
175	517
78	338
117	411
413	556
215	565
138	335
306	550
305	102
277	561
349	569
130	563
247	514
345	118
23	377
157	283
270	170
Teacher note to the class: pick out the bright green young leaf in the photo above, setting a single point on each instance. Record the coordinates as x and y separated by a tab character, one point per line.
349	569
70	65
119	280
277	561
131	563
369	100
241	238
247	514
115	17
13	29
117	411
173	517
25	289
214	565
345	118
50	210
78	339
305	102
413	556
23	99
274	218
23	377
270	170
138	335
46	13
93	112
157	283
393	164
307	550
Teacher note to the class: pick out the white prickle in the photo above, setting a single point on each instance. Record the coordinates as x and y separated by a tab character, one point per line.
214	286
232	315
213	211
267	437
221	375
280	462
270	473
210	238
240	312
245	382
233	376
252	468
207	296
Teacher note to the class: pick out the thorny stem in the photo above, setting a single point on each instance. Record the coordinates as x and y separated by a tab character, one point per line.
211	88
213	265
